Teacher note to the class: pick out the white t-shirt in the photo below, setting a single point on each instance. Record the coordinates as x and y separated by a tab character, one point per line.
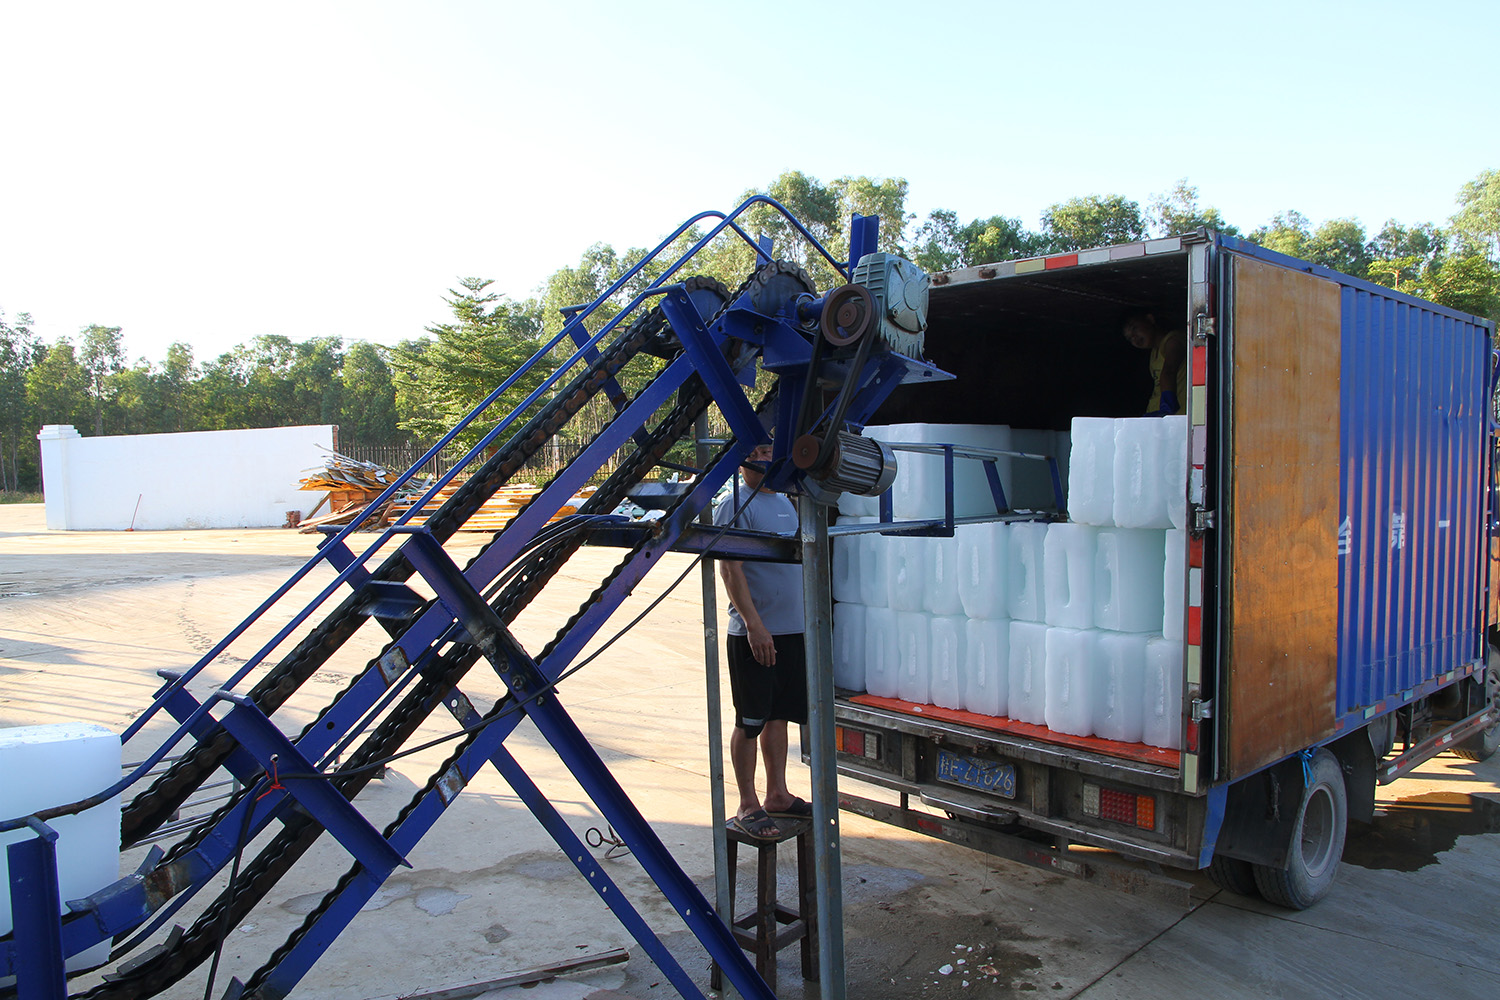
776	588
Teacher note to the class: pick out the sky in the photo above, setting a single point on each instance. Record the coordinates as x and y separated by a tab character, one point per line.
209	172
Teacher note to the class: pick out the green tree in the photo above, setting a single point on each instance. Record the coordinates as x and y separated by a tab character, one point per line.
101	355
1287	232
58	387
442	380
1476	224
178	389
1177	211
1340	244
1092	221
20	349
941	243
368	402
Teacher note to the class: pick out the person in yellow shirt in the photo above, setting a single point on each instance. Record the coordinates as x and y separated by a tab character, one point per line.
1168	361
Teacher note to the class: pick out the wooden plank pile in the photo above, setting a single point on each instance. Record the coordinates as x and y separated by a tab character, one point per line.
352	484
497	511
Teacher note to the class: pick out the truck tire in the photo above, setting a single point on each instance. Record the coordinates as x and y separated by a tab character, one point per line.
1317	842
1482	745
1233	875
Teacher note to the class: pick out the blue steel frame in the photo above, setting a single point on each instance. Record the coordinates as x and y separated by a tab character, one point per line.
267	759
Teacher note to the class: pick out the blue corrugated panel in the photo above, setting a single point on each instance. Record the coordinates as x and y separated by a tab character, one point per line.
1413	404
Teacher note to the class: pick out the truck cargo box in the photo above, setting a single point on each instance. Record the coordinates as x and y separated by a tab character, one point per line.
1338	491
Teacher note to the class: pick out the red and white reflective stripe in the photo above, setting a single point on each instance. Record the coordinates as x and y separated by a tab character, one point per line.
1197	406
1033	265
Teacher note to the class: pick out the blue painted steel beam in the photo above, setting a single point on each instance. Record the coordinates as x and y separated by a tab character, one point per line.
282	760
203	727
734	543
35	916
703	349
529	684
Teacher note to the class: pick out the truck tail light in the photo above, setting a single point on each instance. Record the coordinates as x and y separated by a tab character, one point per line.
1119	807
857	742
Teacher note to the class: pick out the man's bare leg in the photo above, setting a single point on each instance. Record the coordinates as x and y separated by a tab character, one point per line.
742	760
773	747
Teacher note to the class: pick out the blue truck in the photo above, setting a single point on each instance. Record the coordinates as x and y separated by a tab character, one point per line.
1339	620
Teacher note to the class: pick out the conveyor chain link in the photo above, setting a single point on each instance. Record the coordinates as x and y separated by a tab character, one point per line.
300	831
167	794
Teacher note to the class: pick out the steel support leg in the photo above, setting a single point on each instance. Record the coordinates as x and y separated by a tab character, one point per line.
817	600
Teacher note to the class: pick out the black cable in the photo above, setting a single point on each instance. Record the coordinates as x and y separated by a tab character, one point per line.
518	704
234	877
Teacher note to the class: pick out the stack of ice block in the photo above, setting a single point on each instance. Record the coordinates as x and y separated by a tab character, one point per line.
1076	626
42	766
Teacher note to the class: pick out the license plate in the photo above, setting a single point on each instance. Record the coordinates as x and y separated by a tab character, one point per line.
985	775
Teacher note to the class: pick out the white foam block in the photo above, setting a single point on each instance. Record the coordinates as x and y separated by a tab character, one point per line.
1127	562
1091	465
904	573
986	671
1174	584
1145	476
940	573
1068	574
914	657
1162	709
1119	679
1026	595
849	629
983	569
1028	672
948	638
42	766
882	655
919	489
1068	703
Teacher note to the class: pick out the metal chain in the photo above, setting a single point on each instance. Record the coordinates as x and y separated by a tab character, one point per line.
157	803
300	830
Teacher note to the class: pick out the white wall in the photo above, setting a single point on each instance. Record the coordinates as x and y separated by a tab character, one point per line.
205	479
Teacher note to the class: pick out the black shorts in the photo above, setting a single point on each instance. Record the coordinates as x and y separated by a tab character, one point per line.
763	693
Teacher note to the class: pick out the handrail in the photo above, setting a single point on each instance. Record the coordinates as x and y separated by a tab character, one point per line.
574	322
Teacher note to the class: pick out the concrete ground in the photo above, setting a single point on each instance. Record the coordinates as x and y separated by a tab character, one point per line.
86	619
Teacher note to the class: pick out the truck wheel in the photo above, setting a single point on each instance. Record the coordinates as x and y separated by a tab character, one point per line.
1317	840
1232	875
1482	745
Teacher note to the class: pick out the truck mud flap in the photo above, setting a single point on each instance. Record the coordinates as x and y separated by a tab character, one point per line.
1139	881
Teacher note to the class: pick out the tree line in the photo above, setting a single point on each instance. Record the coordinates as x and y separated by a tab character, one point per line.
421	387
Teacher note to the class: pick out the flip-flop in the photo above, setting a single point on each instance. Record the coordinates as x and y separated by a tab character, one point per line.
799	809
757	824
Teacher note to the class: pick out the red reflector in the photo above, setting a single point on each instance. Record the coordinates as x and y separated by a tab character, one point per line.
1200	365
1117	806
1195	552
1191	736
1062	260
1195	626
854	742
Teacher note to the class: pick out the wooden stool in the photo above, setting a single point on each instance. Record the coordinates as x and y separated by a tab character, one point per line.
770	927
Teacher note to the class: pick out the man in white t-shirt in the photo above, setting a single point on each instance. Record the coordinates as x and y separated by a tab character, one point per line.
767	664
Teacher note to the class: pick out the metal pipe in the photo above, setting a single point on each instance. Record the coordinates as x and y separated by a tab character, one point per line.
723	877
817	603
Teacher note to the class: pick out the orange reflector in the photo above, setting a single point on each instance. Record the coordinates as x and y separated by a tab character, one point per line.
1145	812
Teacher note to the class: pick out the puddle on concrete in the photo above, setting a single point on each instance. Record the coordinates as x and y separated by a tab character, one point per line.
1414	831
439	901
